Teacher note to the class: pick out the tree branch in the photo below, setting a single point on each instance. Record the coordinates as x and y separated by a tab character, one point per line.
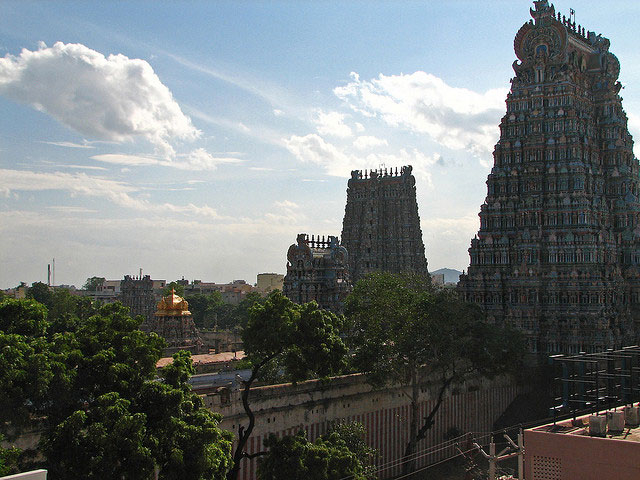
428	420
254	455
245	433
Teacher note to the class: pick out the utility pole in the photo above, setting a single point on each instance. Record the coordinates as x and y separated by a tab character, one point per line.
518	450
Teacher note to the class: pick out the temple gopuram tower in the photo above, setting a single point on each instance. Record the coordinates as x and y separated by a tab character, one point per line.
317	269
381	226
558	248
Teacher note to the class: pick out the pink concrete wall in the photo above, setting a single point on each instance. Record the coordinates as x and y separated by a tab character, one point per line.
556	456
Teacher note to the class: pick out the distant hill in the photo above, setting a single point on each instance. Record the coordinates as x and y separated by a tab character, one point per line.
450	275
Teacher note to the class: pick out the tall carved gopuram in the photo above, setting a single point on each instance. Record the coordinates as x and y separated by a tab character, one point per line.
381	226
558	248
317	269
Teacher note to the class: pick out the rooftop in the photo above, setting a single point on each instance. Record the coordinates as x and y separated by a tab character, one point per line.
205	359
580	425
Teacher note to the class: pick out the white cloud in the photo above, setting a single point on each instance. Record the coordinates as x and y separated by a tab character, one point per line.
359	127
332	123
286	204
287	213
314	149
364	142
122	159
108	98
69	209
198	159
456	118
81	167
118	193
70	144
277	112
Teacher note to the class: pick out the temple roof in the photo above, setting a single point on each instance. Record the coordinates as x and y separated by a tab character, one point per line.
172	305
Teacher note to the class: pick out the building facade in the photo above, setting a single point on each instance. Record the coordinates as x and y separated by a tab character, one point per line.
557	252
267	282
381	226
317	269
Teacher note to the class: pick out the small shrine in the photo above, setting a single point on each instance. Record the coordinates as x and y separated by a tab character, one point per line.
173	322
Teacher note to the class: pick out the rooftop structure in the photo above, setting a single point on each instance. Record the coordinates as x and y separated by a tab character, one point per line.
604	446
558	250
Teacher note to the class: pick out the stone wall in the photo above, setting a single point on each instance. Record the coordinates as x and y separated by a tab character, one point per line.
312	406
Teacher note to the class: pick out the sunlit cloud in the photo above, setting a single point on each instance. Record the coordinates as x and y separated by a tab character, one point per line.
198	159
118	193
365	142
456	118
108	98
332	123
70	144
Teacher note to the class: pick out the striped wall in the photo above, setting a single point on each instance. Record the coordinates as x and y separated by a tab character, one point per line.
285	410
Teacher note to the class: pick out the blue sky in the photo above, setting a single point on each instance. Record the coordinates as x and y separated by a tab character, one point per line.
197	139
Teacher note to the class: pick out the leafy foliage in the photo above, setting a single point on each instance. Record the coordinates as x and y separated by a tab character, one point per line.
296	458
403	329
175	286
93	382
40	292
205	308
93	283
210	311
303	339
9	458
353	434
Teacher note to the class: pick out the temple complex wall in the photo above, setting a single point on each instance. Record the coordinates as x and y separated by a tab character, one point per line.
312	406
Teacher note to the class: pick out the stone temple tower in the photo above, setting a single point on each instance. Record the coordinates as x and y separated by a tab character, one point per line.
558	250
381	227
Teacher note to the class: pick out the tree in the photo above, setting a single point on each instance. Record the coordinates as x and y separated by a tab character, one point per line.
26	363
92	283
294	457
404	330
353	434
40	292
303	339
205	308
240	316
104	412
175	286
9	458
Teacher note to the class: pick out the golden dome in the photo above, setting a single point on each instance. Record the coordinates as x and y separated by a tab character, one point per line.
172	305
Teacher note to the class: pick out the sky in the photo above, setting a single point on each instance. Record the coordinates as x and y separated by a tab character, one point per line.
196	139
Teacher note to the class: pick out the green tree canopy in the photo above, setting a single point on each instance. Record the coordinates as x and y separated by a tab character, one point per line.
205	308
303	339
294	457
104	413
93	283
176	287
404	330
40	292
